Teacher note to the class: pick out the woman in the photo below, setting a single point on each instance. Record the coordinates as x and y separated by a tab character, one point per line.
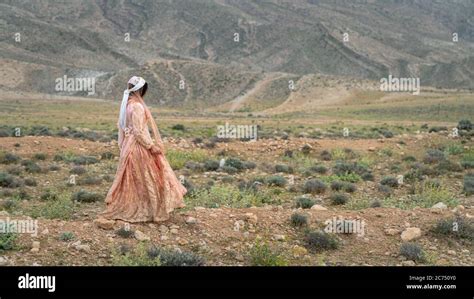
145	187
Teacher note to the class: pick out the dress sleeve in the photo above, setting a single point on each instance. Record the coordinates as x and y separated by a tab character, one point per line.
139	126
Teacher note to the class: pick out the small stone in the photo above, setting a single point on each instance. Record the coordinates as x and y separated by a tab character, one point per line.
440	206
408	263
239	257
391	231
104	223
141	236
34	250
174	231
371	149
410	234
164	229
451	252
279	237
250	217
199	208
3	261
83	247
238	225
36	245
299	251
318	208
191	220
45	231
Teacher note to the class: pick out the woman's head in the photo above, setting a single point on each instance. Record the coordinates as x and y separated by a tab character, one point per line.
141	91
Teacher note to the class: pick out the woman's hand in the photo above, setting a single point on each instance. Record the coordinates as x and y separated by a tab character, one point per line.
155	150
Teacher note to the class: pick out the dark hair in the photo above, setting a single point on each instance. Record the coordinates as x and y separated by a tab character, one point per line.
141	91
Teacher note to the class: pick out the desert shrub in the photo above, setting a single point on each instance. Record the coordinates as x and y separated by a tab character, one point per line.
429	193
468	184
304	202
262	255
350	188
306	149
194	166
125	233
288	153
299	220
283	168
453	149
54	167
235	163
85	160
321	169
389	181
376	204
39	156
78	170
85	196
39	131
465	124
211	165
178	127
384	189
434	156
138	257
342	168
367	176
66	236
457	227
49	195
62	208
90	180
446	166
326	155
437	129
229	169
8	204
31	166
14	170
337	185
9	181
276	180
467	160
228	196
108	178
30	182
177	159
8	158
386	133
8	239
412	251
107	156
409	159
339	199
175	258
314	186
320	240
249	165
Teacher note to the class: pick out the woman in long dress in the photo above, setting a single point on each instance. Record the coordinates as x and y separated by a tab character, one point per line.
145	187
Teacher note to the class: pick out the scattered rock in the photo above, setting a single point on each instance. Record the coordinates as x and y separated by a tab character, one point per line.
3	261
451	252
408	263
410	234
104	223
174	231
391	231
238	225
83	247
191	220
250	217
4	214
164	229
318	208
440	206
279	237
299	251
141	236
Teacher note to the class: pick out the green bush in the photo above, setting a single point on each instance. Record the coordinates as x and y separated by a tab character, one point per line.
39	156
78	170
283	168
174	258
337	185
314	186
8	158
262	255
304	202
321	169
389	181
457	227
211	165
66	236
412	251
434	156
465	124
276	180
85	160
319	240
339	199
468	184
8	240
85	196
9	181
299	220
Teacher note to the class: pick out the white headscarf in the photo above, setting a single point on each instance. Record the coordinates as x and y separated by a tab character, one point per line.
138	83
